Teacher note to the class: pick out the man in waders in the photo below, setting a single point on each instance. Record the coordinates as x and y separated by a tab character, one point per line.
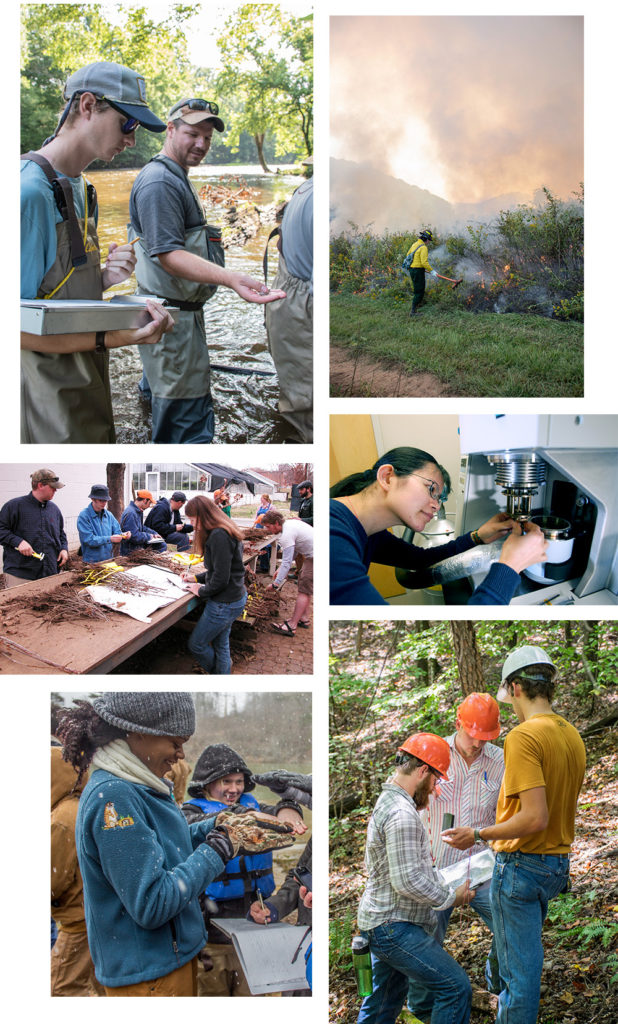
180	258
66	395
397	911
417	262
290	324
544	765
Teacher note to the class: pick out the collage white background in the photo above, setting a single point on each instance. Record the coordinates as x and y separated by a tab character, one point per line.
25	702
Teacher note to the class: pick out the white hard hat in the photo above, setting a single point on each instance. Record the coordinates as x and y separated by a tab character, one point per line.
523	657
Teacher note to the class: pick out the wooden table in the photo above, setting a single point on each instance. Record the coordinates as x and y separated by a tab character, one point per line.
89	646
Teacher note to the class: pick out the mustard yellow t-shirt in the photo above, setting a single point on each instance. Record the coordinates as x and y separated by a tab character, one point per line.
544	751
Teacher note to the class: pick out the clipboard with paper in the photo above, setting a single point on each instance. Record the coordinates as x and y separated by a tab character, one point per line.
267	953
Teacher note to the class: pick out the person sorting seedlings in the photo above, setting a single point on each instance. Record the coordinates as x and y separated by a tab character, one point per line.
165	519
98	529
406	487
143	867
222	779
397	911
32	532
132	524
180	258
66	396
295	538
544	765
417	262
222	584
470	795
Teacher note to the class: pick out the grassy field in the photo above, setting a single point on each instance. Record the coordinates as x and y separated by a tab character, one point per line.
508	355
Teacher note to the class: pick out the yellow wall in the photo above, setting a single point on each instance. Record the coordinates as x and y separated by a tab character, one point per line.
352	450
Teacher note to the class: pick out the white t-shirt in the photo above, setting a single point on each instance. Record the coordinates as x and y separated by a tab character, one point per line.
296	538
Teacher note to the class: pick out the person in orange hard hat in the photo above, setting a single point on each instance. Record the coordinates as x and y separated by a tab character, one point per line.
470	795
397	912
132	522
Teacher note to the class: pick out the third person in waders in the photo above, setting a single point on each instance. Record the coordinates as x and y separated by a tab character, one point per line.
417	262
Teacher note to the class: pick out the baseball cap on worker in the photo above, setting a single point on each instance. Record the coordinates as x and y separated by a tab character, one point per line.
120	86
145	494
194	111
46	476
179	496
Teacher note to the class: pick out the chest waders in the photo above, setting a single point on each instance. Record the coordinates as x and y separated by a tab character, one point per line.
66	399
289	326
179	367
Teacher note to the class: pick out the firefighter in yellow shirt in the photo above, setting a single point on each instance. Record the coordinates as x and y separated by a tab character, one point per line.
417	262
544	765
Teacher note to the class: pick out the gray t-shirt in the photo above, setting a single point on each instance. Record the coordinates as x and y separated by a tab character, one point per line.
297	232
163	208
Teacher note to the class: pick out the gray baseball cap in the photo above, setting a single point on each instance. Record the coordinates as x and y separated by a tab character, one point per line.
120	86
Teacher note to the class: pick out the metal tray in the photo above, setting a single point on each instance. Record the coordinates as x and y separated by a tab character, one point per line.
73	316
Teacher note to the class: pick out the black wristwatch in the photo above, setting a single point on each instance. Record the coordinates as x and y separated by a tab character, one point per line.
99	343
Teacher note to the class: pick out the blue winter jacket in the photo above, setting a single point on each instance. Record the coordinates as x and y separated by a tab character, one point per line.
94	533
254	871
143	868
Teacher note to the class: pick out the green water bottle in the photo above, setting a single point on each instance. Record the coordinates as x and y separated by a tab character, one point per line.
361	958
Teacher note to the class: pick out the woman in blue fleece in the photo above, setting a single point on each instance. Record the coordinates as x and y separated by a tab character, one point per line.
406	487
142	866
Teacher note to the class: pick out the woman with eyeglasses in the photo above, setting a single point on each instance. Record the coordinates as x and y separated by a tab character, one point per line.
406	487
66	395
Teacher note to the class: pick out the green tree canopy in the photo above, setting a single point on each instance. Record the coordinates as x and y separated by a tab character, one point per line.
267	77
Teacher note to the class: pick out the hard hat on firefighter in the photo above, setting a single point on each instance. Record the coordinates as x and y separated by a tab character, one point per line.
479	715
522	658
433	750
426	236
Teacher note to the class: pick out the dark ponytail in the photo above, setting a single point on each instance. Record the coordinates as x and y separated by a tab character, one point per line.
404	461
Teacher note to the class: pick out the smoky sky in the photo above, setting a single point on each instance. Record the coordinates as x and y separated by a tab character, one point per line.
499	100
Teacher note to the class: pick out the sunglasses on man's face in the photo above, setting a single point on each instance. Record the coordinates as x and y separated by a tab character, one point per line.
130	124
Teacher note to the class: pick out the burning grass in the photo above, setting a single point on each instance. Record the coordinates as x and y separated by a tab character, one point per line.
528	260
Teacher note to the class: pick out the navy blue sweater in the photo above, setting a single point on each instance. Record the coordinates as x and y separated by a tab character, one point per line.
42	525
352	552
143	868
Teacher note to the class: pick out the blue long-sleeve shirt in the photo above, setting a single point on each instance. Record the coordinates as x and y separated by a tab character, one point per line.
352	552
41	524
143	868
95	531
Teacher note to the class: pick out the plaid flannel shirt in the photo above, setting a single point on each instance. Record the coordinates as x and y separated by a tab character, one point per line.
402	884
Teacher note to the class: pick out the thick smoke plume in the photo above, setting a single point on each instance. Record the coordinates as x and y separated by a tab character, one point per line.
482	105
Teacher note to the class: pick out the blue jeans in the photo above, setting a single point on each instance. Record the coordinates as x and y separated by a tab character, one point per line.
210	640
521	887
420	999
180	540
401	951
182	420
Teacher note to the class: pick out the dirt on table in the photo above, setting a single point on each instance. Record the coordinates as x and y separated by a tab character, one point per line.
255	647
356	375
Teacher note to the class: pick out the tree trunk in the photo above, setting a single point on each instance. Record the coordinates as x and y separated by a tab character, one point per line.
468	656
115	483
259	145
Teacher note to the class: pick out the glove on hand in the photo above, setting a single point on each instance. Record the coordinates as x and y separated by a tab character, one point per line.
290	785
219	841
254	832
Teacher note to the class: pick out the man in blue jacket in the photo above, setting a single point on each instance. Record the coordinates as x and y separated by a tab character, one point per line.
98	529
132	522
165	518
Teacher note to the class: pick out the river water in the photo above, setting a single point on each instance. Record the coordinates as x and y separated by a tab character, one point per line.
245	406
